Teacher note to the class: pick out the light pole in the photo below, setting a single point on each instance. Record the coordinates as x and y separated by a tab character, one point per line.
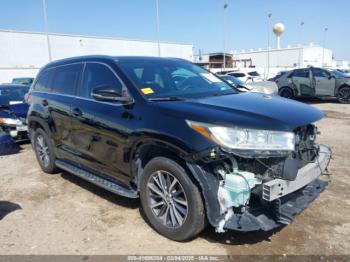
225	38
268	43
158	34
47	30
324	43
300	41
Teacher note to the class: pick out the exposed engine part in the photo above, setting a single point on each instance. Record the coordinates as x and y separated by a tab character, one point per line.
234	191
220	227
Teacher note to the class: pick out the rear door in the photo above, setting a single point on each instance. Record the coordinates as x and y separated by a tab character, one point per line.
301	81
100	129
63	86
53	98
323	82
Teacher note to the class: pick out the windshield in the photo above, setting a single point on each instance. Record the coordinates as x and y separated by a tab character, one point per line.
23	81
254	73
338	74
12	95
174	78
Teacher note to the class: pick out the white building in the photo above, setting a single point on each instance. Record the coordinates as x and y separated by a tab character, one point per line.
300	56
22	54
283	58
276	59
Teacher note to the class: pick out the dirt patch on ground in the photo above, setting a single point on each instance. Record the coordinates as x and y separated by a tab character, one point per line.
336	115
62	214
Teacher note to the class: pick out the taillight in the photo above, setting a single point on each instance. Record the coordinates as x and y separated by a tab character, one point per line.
27	97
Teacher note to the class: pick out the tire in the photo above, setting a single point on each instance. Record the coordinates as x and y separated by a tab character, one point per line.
286	92
193	216
44	151
343	95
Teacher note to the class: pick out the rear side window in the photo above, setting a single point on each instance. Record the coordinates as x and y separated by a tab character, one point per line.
98	75
301	73
66	79
43	82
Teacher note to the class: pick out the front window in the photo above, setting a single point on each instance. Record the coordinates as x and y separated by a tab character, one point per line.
169	78
318	72
12	95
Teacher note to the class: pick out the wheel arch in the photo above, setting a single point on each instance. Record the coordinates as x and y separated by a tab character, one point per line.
340	87
146	150
36	122
287	87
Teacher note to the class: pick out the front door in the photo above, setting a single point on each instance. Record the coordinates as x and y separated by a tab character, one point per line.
323	81
100	129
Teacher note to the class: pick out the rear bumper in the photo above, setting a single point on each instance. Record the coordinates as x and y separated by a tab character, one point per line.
284	199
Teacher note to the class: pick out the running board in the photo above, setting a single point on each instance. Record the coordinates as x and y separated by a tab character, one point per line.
97	180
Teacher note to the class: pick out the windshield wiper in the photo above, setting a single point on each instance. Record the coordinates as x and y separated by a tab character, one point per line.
166	98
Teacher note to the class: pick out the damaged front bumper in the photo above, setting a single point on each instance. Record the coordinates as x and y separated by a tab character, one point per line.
278	203
18	131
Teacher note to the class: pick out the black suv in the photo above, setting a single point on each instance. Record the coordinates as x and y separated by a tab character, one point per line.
184	141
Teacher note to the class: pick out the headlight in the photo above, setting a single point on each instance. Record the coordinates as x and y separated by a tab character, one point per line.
246	139
11	121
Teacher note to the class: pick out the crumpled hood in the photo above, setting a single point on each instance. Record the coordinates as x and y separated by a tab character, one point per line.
250	110
14	111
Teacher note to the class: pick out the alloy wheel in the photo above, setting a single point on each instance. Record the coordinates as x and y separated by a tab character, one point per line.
344	95
43	150
167	199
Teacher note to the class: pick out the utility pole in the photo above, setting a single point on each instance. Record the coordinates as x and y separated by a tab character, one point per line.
47	30
225	31
158	30
324	43
300	41
268	43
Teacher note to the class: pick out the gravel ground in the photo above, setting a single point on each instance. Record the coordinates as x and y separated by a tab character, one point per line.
62	214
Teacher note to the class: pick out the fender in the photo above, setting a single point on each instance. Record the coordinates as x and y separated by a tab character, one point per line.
162	142
41	122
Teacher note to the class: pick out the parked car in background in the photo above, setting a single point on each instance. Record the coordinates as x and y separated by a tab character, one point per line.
259	87
247	77
315	82
277	76
23	80
190	146
13	110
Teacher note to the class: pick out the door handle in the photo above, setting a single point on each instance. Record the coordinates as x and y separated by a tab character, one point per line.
77	112
45	103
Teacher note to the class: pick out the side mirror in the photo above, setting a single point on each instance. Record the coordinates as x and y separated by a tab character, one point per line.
109	94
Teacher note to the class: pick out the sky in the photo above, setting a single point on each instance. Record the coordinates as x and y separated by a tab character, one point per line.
197	22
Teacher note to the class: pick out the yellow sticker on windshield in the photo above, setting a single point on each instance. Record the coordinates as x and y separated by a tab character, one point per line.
147	90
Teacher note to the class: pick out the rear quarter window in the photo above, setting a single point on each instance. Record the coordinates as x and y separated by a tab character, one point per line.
43	82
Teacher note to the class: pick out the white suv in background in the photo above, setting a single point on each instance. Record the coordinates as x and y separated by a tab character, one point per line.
247	77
